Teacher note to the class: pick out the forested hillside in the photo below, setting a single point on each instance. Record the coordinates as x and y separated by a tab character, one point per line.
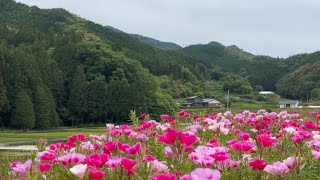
59	69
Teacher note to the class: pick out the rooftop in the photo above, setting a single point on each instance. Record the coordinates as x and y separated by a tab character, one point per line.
289	102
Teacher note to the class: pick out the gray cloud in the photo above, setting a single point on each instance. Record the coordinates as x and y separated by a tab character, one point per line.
268	27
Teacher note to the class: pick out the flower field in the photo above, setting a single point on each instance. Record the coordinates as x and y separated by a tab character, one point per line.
247	145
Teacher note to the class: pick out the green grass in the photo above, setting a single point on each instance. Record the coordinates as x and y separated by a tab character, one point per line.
15	136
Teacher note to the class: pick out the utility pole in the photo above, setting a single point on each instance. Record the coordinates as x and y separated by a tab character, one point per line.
228	101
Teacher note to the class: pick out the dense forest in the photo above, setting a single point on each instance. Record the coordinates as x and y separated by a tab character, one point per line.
59	69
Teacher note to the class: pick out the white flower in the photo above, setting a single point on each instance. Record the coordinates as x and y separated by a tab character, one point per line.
79	170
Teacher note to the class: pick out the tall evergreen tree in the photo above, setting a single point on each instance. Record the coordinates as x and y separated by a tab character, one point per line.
23	113
78	100
4	102
42	108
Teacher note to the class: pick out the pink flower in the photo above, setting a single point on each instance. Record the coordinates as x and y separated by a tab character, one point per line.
205	173
277	168
266	140
44	167
169	137
258	164
158	166
72	158
291	162
168	151
163	177
244	136
113	162
188	138
21	168
96	174
315	154
79	170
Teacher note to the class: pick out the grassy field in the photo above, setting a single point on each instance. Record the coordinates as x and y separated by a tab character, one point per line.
14	136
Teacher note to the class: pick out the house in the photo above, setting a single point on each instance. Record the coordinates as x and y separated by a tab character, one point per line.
194	100
289	104
206	102
266	92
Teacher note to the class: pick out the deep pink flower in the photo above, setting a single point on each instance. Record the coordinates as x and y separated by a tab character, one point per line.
205	173
96	174
44	167
188	138
163	177
148	158
242	146
169	137
122	147
181	113
165	116
297	138
135	149
128	164
109	147
258	164
97	160
46	156
266	140
144	115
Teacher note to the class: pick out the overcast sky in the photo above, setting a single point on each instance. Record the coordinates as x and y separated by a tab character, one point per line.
265	27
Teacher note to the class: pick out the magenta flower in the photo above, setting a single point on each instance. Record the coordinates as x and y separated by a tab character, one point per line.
21	168
135	149
277	168
258	164
266	140
96	174
169	137
163	177
44	167
188	138
109	147
97	160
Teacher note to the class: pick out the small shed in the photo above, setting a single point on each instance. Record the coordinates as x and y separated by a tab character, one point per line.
289	104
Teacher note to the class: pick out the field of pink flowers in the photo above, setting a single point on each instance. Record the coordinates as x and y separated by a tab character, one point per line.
247	145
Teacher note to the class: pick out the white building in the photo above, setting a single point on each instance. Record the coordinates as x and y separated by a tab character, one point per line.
289	104
266	92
